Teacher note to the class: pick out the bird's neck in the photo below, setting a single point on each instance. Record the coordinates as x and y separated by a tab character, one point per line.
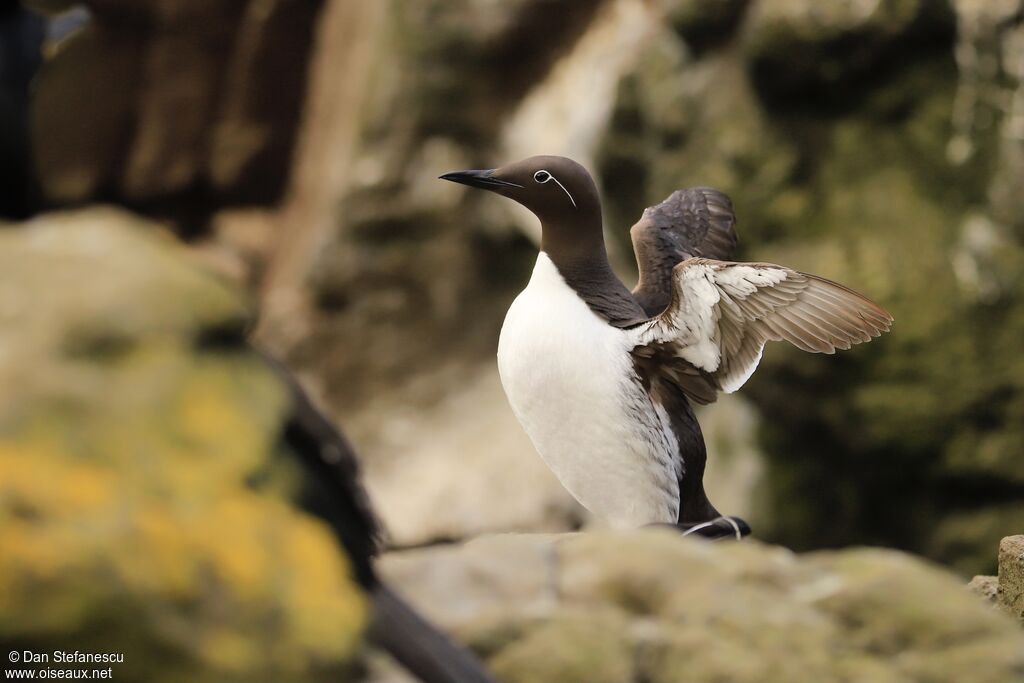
575	238
577	250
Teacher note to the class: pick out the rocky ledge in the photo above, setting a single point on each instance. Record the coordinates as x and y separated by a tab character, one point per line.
651	606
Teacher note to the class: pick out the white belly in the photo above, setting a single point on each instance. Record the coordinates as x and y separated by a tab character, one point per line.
569	378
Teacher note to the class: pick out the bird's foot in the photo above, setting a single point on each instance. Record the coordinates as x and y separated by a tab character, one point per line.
716	529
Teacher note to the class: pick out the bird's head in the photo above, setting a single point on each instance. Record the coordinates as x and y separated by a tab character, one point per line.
559	191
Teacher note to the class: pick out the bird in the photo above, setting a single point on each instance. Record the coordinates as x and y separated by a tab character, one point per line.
603	379
331	488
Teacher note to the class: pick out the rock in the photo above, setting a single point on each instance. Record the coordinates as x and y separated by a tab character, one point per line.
470	477
583	647
142	472
794	44
78	149
653	606
479	58
1011	575
1005	591
481	579
679	122
703	24
168	103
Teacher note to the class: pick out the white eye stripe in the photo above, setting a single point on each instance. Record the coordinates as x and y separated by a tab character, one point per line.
542	176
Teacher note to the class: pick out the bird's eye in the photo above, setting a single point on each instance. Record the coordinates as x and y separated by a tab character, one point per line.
542	176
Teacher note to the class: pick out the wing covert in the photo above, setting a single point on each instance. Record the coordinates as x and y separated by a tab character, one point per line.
721	314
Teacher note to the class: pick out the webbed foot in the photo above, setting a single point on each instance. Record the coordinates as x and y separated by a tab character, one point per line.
716	529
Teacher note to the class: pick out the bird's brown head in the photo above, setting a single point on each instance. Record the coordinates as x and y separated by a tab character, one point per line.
559	191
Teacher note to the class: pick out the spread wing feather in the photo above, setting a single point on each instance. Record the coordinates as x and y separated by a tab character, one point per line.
698	221
721	314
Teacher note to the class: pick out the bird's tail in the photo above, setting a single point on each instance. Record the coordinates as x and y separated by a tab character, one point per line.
419	647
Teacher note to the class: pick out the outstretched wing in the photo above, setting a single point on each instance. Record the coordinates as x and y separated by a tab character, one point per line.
721	314
698	221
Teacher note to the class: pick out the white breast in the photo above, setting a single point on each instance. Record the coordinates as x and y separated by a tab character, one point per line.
569	378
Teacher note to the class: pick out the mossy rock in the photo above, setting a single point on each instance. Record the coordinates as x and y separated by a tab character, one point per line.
583	647
133	421
653	606
800	45
703	24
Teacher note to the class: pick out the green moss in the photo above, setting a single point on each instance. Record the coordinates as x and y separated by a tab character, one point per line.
586	647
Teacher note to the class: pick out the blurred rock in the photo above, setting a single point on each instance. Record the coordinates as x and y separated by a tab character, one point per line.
704	24
990	59
83	104
458	467
478	58
141	483
795	44
183	106
986	587
652	606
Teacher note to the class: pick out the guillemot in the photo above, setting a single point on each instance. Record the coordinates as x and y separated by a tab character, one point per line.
602	378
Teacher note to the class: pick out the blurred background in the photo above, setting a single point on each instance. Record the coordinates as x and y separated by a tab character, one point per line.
294	146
